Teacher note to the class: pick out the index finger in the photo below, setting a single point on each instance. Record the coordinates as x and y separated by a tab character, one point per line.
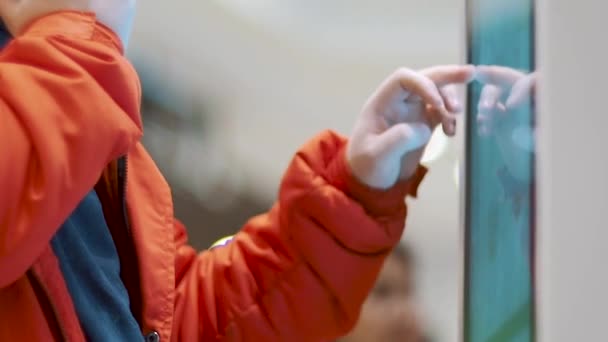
418	85
498	75
450	74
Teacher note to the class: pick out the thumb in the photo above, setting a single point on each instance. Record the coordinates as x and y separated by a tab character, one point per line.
403	138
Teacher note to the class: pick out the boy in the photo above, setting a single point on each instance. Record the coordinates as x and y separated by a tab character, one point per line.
89	247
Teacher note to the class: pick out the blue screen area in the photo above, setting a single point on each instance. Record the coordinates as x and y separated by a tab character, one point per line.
500	174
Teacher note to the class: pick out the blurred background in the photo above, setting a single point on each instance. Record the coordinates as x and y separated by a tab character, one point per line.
232	88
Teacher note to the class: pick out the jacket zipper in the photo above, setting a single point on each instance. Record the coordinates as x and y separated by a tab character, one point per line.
129	248
43	294
123	168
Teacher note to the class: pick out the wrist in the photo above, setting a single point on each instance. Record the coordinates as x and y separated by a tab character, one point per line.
378	202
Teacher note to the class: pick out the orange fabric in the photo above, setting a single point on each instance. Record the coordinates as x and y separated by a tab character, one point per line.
298	273
23	316
68	107
69	104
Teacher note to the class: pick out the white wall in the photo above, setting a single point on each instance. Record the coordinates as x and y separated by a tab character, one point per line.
573	171
276	72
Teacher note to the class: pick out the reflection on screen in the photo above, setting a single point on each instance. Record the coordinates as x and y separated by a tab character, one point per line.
500	172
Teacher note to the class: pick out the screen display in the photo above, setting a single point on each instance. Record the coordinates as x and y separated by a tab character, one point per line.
499	288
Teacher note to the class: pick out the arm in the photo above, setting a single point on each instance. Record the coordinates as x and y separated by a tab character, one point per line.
301	271
69	104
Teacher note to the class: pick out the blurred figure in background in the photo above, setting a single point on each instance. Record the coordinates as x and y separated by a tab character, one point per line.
390	313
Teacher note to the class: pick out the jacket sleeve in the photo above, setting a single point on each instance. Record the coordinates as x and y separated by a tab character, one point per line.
69	104
302	271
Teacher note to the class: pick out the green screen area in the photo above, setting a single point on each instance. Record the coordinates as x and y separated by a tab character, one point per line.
500	182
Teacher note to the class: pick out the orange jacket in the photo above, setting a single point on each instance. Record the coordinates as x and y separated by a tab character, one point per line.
69	104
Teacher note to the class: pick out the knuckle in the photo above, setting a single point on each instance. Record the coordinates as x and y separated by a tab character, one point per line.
402	72
403	132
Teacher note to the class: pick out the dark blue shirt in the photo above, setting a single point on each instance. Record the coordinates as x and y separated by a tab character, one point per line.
91	267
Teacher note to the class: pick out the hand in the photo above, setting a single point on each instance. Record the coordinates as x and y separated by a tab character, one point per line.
506	92
395	125
506	113
115	14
